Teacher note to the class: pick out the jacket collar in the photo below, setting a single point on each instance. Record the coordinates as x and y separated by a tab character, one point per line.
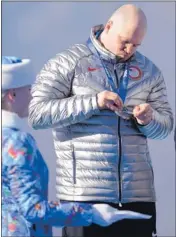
12	120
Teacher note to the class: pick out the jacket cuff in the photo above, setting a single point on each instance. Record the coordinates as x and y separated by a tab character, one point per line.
151	129
77	214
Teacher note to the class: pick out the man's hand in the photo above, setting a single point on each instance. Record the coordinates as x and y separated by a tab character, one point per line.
143	113
109	100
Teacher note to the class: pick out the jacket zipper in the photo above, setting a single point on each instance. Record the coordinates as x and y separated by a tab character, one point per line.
119	164
120	149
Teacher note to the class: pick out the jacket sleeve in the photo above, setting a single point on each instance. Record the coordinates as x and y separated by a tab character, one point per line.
26	188
53	104
162	122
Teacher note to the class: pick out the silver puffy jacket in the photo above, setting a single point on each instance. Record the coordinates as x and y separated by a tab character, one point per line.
100	156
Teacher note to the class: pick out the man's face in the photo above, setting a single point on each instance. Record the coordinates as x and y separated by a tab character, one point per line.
124	42
125	46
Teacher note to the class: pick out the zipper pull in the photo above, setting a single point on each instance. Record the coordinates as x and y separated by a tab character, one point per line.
120	204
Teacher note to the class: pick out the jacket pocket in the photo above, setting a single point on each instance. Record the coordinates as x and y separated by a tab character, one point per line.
151	168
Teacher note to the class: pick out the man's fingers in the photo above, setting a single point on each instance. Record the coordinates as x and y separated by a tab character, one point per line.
118	102
115	98
112	101
111	106
137	108
149	113
144	114
142	110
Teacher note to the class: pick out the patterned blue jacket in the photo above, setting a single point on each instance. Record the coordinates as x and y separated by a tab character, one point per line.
25	208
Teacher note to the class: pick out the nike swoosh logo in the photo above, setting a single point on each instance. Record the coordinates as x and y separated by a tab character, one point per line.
91	69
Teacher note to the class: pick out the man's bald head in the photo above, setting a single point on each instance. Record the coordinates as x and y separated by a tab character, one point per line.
124	31
129	16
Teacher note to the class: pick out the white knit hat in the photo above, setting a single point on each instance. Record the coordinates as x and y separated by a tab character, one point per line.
16	73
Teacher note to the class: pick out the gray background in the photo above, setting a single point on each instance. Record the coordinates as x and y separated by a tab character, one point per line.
39	30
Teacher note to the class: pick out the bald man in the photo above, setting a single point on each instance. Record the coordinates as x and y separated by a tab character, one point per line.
103	99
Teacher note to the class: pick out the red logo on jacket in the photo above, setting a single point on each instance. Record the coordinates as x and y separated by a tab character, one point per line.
92	69
135	73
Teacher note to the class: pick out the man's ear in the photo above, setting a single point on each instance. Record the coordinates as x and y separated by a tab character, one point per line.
108	26
11	95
